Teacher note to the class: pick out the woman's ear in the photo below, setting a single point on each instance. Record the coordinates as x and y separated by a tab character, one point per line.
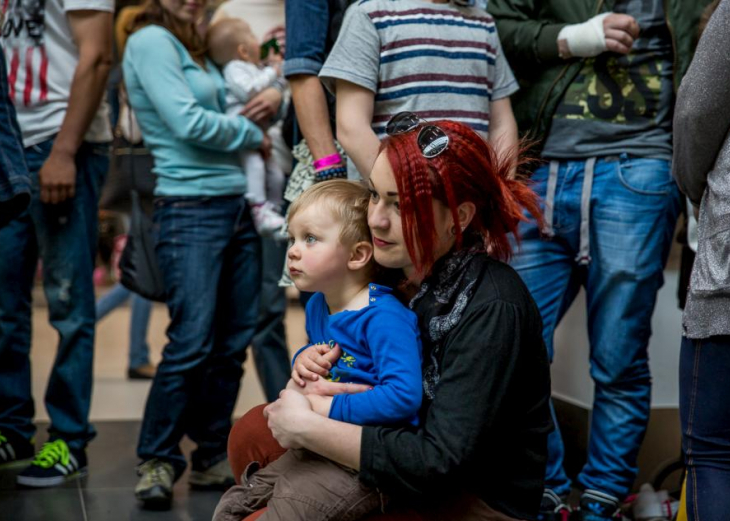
360	255
466	212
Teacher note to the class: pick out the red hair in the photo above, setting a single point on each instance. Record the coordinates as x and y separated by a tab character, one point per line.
469	170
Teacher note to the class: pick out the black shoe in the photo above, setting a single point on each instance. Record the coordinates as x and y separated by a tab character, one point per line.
54	464
15	450
599	506
553	507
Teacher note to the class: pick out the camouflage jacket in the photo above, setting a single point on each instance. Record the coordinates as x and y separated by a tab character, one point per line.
528	30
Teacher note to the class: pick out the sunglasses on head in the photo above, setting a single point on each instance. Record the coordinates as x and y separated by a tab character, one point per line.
431	139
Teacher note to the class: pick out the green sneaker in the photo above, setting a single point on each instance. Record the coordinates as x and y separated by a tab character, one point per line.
217	477
54	464
154	488
15	451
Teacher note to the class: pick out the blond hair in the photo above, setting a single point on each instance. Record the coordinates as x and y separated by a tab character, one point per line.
348	202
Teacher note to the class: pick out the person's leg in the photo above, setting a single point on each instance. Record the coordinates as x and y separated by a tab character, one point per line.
251	440
67	236
705	413
111	300
315	488
255	168
139	350
547	267
275	182
635	205
210	408
255	490
17	242
270	350
193	235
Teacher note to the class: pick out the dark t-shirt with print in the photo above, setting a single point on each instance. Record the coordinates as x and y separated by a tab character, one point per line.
620	103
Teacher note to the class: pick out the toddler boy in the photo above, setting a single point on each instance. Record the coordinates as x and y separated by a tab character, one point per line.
330	253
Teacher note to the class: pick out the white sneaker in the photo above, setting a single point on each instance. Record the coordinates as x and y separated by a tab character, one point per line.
266	219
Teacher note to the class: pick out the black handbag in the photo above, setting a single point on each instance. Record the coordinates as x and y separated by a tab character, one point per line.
138	263
140	271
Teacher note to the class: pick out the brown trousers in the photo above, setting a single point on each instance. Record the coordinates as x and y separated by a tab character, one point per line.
251	441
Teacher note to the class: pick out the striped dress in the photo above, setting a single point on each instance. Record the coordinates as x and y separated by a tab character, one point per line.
437	60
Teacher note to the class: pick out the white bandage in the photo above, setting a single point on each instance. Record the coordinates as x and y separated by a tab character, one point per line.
587	39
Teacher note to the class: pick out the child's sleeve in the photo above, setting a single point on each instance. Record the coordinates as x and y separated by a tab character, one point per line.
245	80
394	341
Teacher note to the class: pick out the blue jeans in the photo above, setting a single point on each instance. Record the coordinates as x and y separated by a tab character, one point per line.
270	351
704	406
139	351
210	258
14	179
634	205
65	237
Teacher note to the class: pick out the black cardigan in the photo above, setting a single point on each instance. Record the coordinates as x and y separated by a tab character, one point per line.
486	430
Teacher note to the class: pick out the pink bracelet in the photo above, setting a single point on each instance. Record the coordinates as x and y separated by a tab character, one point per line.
327	161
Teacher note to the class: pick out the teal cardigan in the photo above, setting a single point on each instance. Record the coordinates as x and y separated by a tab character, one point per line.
180	109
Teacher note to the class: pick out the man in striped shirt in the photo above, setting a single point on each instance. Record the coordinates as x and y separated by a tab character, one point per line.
433	58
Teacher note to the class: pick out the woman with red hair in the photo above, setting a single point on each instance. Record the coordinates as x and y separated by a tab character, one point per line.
442	208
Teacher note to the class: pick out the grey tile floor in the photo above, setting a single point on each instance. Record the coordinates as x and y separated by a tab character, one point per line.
106	494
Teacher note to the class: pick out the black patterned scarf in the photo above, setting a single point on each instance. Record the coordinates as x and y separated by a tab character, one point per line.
440	303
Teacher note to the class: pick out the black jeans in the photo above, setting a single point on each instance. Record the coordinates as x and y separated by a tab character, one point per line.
704	405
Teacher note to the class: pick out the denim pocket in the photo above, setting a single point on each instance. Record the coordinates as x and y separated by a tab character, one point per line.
646	176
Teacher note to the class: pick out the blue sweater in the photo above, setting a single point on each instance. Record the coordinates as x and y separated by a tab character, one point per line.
180	109
381	347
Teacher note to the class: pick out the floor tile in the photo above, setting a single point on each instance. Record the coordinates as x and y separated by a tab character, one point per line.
42	505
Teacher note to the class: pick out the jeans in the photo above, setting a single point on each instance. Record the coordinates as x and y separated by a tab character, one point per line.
704	406
307	28
139	351
210	258
634	205
270	351
15	184
65	237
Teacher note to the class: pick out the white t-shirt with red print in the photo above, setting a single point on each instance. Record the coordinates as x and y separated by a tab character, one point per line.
41	57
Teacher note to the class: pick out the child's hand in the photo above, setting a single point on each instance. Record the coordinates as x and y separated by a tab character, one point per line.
313	362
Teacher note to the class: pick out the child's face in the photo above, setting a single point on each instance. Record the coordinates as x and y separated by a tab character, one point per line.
317	259
249	49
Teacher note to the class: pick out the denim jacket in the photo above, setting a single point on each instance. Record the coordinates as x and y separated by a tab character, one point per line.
702	170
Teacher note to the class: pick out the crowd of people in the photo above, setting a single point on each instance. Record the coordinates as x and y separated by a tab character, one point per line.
438	178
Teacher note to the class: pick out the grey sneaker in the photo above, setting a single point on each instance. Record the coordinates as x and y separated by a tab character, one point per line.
217	477
154	488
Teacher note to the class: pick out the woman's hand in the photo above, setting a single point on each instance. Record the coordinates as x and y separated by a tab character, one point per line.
263	106
288	417
313	362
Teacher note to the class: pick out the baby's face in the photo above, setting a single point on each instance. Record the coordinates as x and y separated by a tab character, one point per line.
249	49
